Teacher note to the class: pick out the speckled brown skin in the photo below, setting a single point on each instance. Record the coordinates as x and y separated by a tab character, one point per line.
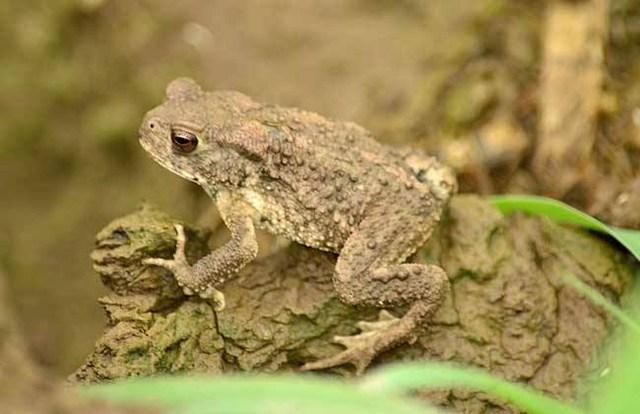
325	184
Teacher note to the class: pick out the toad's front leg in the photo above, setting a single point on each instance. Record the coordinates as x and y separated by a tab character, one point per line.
214	269
370	272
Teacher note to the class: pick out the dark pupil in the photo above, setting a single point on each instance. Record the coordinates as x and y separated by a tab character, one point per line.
184	141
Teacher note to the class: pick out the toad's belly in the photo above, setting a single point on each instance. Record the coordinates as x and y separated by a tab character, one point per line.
321	227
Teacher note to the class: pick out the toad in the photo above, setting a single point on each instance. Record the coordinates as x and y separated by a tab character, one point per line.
322	183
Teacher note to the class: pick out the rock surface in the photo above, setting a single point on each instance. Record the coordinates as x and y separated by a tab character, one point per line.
507	312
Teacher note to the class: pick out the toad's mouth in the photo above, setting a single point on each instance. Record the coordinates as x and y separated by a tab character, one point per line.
148	147
145	144
166	162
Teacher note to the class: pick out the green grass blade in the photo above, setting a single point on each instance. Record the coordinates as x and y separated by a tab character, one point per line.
628	238
414	376
253	394
563	213
595	297
618	391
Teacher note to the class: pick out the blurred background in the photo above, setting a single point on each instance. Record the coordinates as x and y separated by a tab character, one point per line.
519	96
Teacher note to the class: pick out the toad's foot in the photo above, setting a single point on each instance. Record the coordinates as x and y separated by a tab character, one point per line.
362	348
183	273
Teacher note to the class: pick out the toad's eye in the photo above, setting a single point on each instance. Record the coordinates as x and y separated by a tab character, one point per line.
183	141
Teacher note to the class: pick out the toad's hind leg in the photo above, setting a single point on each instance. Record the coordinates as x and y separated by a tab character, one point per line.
370	272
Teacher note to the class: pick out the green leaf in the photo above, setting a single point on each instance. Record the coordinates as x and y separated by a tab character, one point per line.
563	213
617	392
596	298
414	376
249	394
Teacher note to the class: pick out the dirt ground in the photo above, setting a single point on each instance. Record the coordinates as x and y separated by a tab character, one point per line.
451	77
